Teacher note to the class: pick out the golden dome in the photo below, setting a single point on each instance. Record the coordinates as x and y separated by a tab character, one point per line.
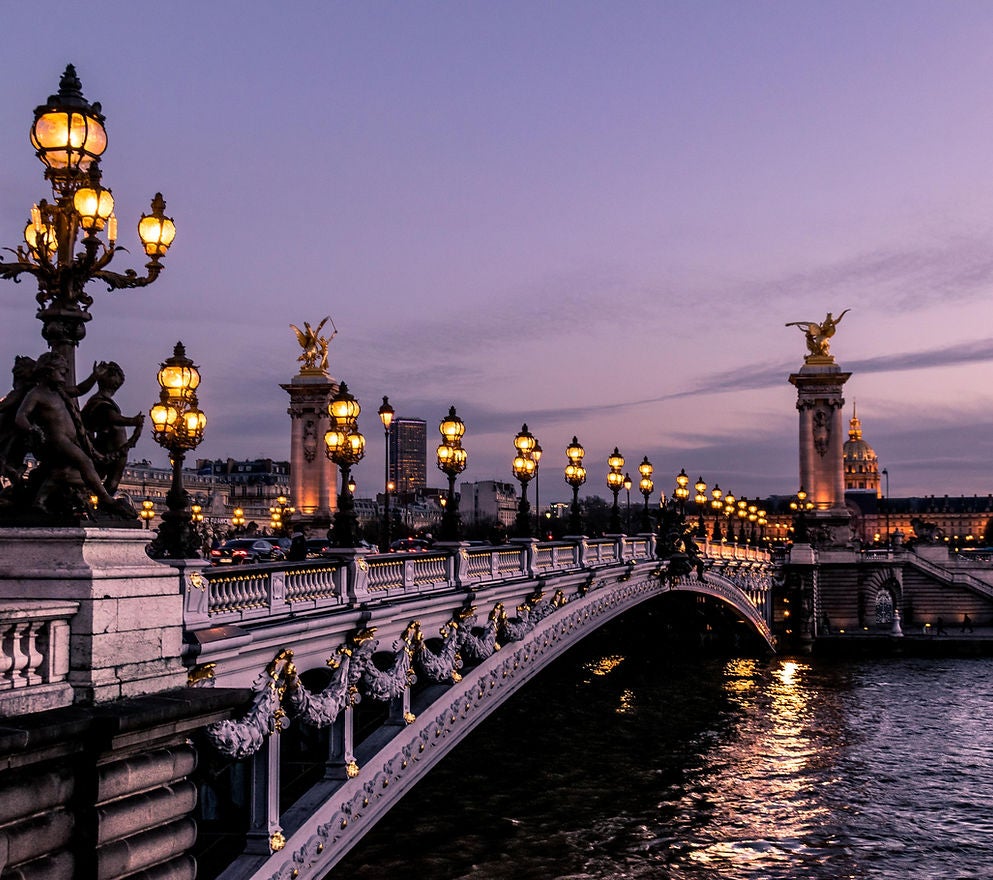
861	461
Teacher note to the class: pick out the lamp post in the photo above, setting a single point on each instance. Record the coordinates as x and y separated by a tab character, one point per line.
700	498
386	413
615	479
237	520
345	446
536	455
628	483
717	506
69	138
647	486
730	506
147	513
177	425
452	459
681	491
277	515
525	468
742	513
800	504
886	503
575	476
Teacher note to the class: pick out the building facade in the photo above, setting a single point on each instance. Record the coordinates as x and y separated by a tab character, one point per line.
488	500
408	455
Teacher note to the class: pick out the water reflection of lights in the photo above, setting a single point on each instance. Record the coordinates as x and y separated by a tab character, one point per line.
770	761
626	704
605	665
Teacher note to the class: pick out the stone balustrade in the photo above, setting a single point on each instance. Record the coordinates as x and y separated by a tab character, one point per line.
34	655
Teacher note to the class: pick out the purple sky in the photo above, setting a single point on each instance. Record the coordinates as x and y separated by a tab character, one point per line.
595	218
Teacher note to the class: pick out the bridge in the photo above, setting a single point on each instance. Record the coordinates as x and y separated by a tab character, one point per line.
428	643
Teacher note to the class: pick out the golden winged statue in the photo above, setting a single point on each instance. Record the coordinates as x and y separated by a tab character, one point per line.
314	356
819	335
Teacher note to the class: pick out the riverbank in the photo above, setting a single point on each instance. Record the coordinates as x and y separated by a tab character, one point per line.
953	643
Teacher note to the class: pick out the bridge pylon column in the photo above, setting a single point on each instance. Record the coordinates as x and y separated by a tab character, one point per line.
341	763
264	831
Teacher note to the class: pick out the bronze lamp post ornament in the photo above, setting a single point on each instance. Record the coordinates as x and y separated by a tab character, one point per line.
177	426
80	454
575	476
345	446
525	467
452	460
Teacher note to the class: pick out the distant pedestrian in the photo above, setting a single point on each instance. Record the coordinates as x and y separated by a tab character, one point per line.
941	627
966	623
298	548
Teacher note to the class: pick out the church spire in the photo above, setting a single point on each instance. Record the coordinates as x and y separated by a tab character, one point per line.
855	426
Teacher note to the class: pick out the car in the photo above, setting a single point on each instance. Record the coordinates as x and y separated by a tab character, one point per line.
281	544
317	547
245	551
409	545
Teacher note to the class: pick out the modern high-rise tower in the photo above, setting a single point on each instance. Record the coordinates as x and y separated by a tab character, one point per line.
408	454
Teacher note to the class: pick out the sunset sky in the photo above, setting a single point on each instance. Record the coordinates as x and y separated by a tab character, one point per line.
595	218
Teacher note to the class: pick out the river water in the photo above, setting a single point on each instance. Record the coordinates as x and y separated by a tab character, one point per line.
656	763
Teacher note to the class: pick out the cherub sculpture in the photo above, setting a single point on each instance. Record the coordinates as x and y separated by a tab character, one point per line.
819	335
315	347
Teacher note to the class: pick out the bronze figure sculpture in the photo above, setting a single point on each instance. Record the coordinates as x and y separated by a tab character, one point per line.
819	335
314	356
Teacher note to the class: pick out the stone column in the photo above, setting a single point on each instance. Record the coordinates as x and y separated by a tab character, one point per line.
312	477
819	386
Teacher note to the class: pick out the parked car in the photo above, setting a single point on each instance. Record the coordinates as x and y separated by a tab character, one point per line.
245	551
281	544
317	547
409	545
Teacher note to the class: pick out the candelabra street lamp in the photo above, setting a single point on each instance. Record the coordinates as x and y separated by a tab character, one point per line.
344	445
536	455
278	516
681	491
147	512
69	138
628	483
646	486
452	460
237	520
615	480
717	506
525	467
575	476
700	498
800	505
177	425
386	413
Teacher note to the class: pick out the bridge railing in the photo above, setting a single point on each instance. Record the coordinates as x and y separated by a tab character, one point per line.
251	592
34	654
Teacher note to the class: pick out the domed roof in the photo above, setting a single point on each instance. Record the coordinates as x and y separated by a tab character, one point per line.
860	459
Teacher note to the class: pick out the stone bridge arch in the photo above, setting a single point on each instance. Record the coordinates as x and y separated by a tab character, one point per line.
315	833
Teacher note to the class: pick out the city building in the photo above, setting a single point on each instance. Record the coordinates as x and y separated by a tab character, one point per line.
488	500
408	455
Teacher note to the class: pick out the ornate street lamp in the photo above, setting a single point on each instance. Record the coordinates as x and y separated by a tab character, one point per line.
344	445
575	476
525	467
615	480
700	498
147	512
646	486
536	455
386	413
628	483
681	491
452	459
278	515
177	425
800	505
717	506
237	520
69	138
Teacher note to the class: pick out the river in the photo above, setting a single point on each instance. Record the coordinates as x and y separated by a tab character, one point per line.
656	763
